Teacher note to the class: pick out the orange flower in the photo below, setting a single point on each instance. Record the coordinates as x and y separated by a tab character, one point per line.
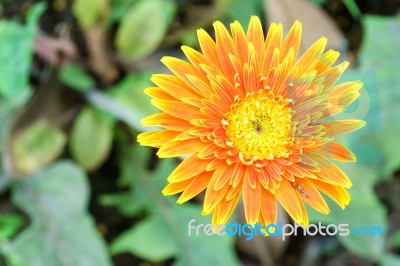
252	120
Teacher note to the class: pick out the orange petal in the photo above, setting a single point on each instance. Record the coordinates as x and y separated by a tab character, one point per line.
238	176
225	46
335	151
326	60
337	193
158	93
332	75
223	174
251	200
311	195
272	43
209	151
176	187
156	138
167	121
255	35
174	86
240	40
208	47
196	58
338	127
234	190
304	212
200	85
188	168
224	210
292	40
174	148
197	185
338	103
290	201
309	59
178	109
214	164
268	207
331	173
213	197
281	74
182	68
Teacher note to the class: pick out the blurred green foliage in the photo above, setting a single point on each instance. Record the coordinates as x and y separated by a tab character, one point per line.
55	226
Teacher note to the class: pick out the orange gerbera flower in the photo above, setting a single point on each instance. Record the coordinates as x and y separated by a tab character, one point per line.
252	119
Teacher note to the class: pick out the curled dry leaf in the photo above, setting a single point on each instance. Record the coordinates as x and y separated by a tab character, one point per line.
100	60
316	23
53	103
56	52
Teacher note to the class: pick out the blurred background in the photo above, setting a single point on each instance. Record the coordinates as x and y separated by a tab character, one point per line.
77	190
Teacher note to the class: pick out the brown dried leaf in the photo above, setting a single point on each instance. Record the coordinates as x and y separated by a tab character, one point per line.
100	60
56	52
316	23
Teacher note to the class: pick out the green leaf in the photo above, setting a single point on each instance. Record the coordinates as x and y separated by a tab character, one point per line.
396	239
16	49
380	55
143	27
118	10
74	76
389	259
8	109
129	93
164	234
61	232
91	137
318	2
243	10
147	240
353	8
9	224
126	100
90	12
37	145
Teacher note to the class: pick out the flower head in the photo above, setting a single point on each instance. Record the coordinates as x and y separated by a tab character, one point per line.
253	120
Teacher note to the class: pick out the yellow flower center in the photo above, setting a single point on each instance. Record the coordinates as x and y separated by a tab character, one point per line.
259	126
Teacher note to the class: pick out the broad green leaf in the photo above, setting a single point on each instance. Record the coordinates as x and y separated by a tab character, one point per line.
380	55
318	2
148	240
243	10
111	106
90	12
9	224
129	93
16	49
389	259
353	8
8	109
61	232
118	10
91	137
364	210
166	225
126	100
74	76
143	27
37	145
